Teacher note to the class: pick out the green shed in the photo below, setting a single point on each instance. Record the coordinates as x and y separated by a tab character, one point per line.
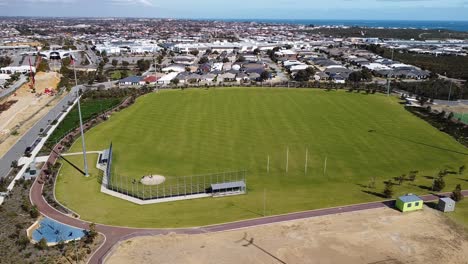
409	202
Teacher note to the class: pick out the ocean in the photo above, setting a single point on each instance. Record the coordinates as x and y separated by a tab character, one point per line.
449	25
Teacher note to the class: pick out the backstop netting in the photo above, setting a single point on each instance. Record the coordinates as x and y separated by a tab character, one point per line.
176	186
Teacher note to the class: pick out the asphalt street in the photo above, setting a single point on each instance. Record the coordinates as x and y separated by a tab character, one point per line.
13	87
17	150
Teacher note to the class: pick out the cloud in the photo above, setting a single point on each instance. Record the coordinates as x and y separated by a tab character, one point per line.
50	1
132	2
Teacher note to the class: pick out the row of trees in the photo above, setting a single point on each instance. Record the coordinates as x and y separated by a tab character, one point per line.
438	183
434	89
452	66
5	61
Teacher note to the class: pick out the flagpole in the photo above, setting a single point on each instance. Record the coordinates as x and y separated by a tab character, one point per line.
81	124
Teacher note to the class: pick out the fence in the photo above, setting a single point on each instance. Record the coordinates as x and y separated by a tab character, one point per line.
172	186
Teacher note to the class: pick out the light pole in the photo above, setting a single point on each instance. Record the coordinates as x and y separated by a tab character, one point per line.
81	125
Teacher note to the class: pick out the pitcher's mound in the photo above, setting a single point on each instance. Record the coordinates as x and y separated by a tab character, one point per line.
152	180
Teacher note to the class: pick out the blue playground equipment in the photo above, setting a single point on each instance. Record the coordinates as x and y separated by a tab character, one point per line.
54	232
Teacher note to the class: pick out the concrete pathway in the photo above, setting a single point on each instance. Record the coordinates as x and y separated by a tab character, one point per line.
114	234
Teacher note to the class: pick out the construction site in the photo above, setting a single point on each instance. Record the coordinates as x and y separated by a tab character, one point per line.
23	108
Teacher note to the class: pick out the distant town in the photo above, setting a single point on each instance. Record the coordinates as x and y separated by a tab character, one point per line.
138	140
163	52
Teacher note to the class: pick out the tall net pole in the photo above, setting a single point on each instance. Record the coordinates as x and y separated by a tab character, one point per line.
287	159
81	127
306	158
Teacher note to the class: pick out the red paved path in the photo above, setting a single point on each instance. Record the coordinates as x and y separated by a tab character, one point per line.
115	234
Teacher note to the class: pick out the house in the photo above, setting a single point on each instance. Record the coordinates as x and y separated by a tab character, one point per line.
242	77
338	70
254	76
166	79
18	69
446	205
218	66
132	81
298	67
409	202
253	67
321	76
151	79
174	68
289	63
227	77
204	68
186	60
207	78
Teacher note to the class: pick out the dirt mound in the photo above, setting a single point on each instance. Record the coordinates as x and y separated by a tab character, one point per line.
153	180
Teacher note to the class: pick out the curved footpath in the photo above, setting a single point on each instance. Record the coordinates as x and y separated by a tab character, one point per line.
114	234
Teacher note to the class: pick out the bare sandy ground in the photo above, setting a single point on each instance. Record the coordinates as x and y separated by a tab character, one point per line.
374	236
459	108
28	110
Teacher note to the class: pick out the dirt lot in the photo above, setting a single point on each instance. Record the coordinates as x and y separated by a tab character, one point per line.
372	236
28	110
459	108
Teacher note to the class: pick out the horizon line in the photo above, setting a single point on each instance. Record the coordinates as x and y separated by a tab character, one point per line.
246	19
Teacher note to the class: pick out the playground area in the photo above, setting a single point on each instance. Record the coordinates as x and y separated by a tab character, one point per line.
27	108
54	232
373	236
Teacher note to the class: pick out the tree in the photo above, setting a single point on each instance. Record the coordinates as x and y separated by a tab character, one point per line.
241	58
264	76
125	63
42	244
175	81
439	184
23	241
143	65
366	74
461	169
388	190
401	179
187	69
34	213
412	176
256	51
225	60
43	66
115	62
302	76
195	52
457	194
91	234
203	60
355	77
5	61
372	183
310	71
14	164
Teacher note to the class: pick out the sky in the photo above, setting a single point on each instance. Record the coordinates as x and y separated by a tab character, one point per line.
450	10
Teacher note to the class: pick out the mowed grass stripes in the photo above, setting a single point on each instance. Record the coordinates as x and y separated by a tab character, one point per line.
192	132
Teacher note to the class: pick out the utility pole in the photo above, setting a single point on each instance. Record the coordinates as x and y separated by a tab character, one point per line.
450	91
306	158
264	201
268	164
76	252
325	166
81	125
388	81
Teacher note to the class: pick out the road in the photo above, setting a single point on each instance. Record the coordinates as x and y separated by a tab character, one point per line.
13	87
113	234
17	150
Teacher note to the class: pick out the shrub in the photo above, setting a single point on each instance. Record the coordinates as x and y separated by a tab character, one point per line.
457	194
